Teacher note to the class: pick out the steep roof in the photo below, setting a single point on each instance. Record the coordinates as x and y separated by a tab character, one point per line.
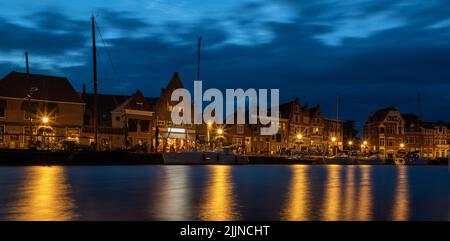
132	103
314	110
50	88
381	114
106	103
410	118
287	108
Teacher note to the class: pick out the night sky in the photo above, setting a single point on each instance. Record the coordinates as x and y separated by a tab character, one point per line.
373	54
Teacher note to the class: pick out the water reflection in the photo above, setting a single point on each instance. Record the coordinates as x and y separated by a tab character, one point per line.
401	200
44	195
219	202
332	200
349	194
365	194
298	201
174	200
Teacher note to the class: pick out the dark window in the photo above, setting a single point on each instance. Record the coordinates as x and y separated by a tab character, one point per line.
117	118
132	125
30	108
2	132
2	108
144	125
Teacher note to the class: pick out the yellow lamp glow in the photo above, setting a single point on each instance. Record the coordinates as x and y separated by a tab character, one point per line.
219	131
299	136
333	139
350	143
402	145
45	120
365	143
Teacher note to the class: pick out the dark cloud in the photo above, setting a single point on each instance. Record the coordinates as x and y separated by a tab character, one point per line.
379	68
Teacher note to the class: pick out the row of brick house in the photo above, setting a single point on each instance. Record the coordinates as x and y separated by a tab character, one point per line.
56	113
388	131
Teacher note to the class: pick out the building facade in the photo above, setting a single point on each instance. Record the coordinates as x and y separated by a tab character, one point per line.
47	105
56	114
388	131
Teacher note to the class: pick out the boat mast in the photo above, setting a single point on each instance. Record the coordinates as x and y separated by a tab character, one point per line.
198	57
198	78
94	61
29	99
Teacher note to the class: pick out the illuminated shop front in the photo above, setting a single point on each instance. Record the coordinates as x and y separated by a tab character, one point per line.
175	139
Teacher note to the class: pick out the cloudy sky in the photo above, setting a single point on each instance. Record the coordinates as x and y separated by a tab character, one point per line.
372	53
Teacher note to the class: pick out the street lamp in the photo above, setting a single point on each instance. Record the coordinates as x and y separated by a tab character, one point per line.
299	138
402	145
350	143
45	119
209	125
29	96
333	139
220	131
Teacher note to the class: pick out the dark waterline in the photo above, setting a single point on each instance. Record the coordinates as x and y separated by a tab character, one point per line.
252	192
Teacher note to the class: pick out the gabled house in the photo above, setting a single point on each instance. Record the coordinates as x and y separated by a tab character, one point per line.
47	105
172	136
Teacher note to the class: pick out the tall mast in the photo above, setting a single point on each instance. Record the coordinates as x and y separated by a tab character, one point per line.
198	78
337	107
26	63
198	57
94	61
29	100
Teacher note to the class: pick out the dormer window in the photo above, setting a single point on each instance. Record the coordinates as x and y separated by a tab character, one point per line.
139	105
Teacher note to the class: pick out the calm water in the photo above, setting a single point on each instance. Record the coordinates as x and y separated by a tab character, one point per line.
253	192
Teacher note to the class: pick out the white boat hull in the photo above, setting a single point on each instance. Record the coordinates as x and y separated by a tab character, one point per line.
224	158
411	161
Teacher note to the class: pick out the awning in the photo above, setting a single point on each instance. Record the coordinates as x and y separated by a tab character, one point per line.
177	135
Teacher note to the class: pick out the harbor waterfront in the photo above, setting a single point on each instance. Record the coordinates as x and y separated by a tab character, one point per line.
224	192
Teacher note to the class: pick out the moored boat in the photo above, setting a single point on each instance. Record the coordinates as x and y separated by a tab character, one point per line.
371	161
338	160
198	157
410	158
188	157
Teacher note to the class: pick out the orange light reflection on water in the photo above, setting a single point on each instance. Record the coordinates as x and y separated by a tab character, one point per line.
332	200
298	202
219	201
401	200
44	196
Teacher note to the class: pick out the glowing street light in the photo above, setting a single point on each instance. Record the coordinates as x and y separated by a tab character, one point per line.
350	143
402	145
365	143
45	119
299	136
219	131
333	139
